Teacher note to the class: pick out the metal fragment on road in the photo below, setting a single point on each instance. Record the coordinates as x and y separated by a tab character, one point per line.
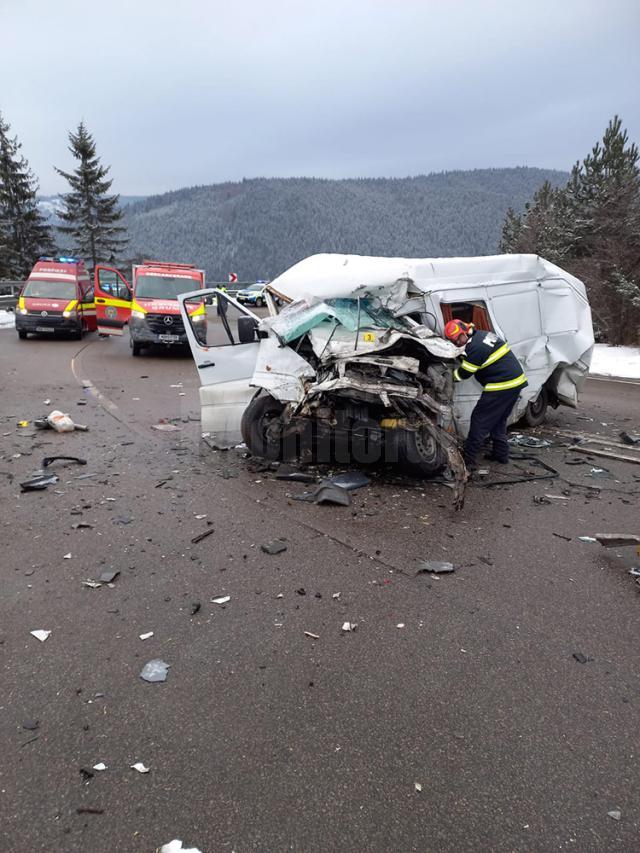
146	636
313	636
435	567
275	547
417	786
92	584
39	634
587	539
155	670
222	599
349	626
202	536
615	814
100	766
108	576
617	540
139	766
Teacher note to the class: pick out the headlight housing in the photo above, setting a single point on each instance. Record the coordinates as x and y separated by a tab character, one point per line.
68	314
22	311
138	315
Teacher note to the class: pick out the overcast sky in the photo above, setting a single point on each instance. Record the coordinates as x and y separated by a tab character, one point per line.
195	92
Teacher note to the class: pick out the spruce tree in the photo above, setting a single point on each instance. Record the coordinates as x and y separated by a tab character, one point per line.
24	233
91	215
592	228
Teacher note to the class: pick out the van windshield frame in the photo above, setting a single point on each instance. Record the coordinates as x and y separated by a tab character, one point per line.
50	288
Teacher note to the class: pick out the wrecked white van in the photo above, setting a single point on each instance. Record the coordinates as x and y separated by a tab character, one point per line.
354	367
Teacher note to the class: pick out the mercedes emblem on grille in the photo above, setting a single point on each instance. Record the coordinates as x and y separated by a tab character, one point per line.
168	321
44	313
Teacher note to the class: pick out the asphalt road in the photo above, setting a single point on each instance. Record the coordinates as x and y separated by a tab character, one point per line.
262	738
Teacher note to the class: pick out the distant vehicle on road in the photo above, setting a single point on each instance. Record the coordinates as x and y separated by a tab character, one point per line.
150	306
252	295
56	299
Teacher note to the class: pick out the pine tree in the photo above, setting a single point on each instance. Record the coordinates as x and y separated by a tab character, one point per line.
592	228
92	216
24	233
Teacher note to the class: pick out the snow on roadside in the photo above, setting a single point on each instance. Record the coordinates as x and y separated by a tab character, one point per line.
7	320
623	362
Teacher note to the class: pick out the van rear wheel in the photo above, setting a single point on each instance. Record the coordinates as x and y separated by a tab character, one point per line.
536	411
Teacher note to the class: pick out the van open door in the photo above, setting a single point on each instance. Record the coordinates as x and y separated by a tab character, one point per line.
113	300
225	352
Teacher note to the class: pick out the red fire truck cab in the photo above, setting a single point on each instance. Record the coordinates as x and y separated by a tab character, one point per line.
150	305
57	298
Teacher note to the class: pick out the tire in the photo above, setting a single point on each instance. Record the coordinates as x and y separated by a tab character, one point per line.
77	336
257	419
22	334
536	411
420	452
136	348
259	302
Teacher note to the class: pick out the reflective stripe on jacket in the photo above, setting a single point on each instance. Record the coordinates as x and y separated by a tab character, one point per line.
491	361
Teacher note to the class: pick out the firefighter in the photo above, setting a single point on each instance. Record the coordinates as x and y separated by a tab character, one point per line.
495	367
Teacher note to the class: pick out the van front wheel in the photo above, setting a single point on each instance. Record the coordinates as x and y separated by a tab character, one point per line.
536	411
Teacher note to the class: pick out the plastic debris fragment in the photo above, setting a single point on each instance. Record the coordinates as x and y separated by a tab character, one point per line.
155	670
175	846
349	626
38	483
313	636
100	766
417	786
139	766
615	814
40	634
222	599
67	556
146	636
108	576
587	539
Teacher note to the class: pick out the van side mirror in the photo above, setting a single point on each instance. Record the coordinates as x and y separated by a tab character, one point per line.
247	327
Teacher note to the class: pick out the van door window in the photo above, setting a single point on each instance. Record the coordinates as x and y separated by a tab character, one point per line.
470	312
112	284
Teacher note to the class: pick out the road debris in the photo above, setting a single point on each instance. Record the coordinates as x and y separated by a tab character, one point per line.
400	625
349	626
222	599
336	595
295	477
615	814
108	576
312	636
628	438
202	536
520	440
417	787
31	725
81	525
146	636
617	540
175	846
326	493
435	567
39	483
41	635
275	547
89	810
91	584
100	766
350	480
67	556
49	460
195	607
166	427
587	539
139	766
581	658
155	670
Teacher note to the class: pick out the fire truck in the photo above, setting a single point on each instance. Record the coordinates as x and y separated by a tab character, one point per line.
149	305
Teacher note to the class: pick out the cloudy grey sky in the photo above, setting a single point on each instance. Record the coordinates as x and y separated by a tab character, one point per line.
193	92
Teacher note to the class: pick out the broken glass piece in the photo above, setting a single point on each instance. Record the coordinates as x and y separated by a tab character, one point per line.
223	599
155	670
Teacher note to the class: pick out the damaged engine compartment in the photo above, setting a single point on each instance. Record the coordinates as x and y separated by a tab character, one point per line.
357	384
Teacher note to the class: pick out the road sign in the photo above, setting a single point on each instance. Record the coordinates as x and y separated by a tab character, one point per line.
233	277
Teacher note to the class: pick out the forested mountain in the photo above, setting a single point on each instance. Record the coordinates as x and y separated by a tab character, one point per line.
259	227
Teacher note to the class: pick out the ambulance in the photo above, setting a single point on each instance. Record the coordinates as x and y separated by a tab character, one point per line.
57	298
149	306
